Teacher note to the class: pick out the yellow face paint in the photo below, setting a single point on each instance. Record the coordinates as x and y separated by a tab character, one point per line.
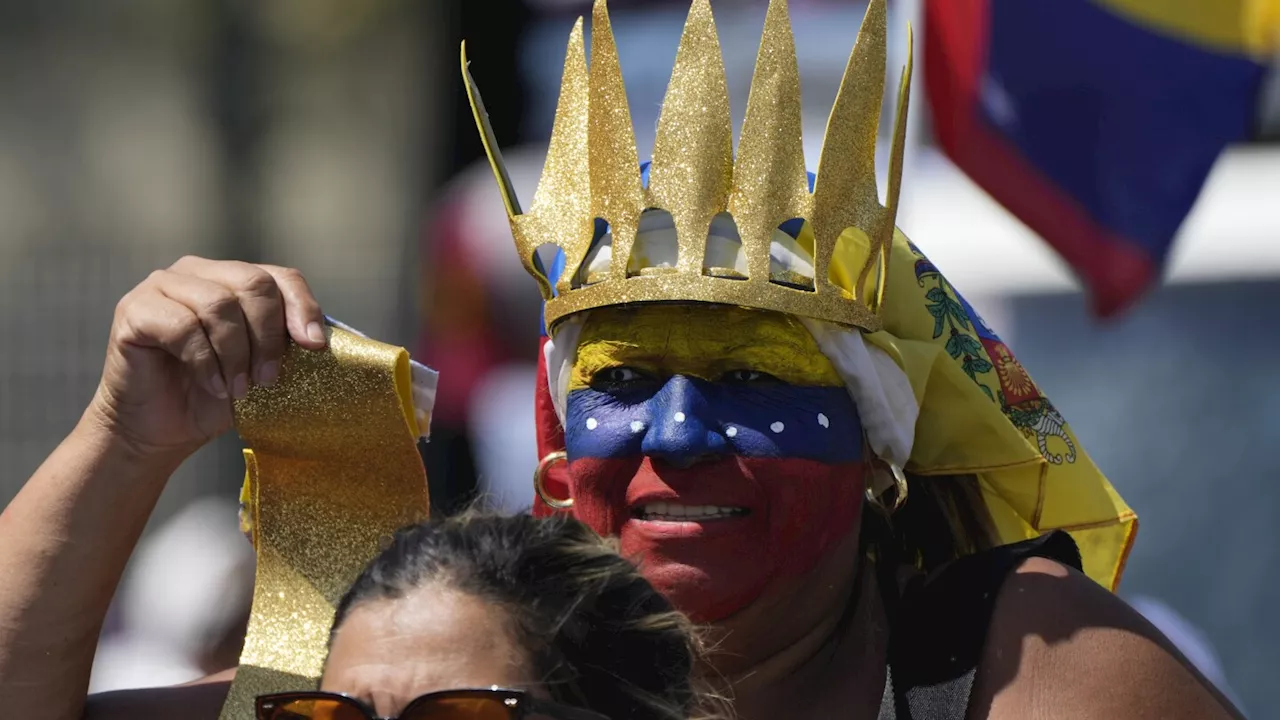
700	340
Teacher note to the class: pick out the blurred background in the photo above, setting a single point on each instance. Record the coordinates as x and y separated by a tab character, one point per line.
333	136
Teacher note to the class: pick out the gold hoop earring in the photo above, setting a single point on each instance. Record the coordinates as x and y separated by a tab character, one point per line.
539	474
876	467
900	489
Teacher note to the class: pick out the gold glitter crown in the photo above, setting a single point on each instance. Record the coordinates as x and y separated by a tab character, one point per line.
592	172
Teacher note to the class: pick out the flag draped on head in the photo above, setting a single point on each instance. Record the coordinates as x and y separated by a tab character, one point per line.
1096	122
976	412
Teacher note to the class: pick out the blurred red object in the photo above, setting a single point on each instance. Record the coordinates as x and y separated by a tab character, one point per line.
458	338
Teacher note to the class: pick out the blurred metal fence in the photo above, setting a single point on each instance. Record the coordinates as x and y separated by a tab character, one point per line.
133	132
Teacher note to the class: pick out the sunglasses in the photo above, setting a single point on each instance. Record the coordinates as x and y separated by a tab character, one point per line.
492	704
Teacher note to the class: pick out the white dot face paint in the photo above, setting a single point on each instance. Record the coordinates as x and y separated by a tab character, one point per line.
592	424
636	426
731	431
777	427
823	421
679	417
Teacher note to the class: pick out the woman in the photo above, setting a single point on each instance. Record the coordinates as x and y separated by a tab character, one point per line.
491	618
513	602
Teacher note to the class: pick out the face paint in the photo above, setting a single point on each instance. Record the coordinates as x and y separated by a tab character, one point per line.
718	443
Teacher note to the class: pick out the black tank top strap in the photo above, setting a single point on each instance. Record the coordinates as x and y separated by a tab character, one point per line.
938	627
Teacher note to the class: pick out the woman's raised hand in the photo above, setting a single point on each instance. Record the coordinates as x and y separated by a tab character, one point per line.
188	340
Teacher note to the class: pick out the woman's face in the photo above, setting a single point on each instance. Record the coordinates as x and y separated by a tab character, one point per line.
719	444
389	652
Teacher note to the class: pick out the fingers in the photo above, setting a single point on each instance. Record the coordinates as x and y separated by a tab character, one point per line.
302	312
261	304
235	313
274	300
228	322
303	319
148	318
222	322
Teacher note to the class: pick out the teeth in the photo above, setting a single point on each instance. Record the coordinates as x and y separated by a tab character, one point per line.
673	511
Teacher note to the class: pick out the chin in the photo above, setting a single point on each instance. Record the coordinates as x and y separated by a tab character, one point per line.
698	592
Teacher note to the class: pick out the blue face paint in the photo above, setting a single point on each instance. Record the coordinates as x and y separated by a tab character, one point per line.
684	419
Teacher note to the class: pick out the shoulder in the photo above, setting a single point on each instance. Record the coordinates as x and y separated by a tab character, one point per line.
200	700
1060	645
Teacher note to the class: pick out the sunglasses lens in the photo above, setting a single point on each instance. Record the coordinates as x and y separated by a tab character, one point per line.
461	708
315	709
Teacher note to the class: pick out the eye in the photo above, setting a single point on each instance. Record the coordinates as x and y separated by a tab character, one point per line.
747	376
617	375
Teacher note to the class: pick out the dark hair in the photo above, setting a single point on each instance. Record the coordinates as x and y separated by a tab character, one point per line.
597	632
943	518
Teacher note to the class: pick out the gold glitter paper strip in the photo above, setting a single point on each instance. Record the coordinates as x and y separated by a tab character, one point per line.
335	469
249	496
770	185
692	170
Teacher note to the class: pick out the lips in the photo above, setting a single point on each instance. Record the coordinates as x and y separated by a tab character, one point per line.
721	487
665	506
662	502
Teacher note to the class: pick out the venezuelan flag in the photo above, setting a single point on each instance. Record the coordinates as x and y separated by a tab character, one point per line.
1096	122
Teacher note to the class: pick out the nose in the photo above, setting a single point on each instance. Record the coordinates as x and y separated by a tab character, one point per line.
682	429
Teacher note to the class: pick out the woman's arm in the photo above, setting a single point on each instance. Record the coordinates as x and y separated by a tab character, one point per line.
66	539
182	344
1061	646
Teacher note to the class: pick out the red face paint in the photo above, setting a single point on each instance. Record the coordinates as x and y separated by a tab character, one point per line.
799	510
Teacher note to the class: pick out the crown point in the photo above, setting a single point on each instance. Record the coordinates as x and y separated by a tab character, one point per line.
770	181
616	194
488	139
845	193
560	213
692	167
